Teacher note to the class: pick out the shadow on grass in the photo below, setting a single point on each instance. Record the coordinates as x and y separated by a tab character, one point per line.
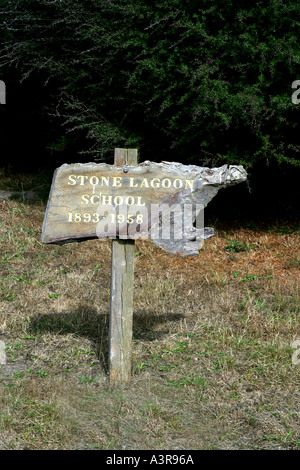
90	324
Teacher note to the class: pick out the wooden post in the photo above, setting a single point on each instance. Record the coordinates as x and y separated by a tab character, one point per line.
121	294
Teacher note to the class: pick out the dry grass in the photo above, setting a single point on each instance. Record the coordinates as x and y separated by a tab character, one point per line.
212	356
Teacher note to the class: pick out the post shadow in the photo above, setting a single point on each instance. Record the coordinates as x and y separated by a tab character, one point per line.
89	323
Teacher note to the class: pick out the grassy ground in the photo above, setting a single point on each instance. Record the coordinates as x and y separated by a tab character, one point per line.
212	358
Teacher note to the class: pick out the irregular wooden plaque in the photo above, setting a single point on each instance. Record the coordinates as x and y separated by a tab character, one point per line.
157	201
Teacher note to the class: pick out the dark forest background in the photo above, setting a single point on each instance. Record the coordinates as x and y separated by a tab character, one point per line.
199	82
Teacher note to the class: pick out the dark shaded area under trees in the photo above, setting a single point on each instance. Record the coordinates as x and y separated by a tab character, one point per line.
202	83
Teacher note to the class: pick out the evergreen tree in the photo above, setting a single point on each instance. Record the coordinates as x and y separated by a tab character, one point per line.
202	82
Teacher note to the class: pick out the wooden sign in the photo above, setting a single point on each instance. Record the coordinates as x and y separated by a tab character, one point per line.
130	201
162	202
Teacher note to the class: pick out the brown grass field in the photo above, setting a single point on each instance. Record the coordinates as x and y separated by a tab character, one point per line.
213	365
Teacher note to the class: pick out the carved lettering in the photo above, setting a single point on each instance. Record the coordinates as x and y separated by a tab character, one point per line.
100	200
132	182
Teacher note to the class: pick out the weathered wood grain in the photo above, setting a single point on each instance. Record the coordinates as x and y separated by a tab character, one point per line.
121	297
90	200
121	310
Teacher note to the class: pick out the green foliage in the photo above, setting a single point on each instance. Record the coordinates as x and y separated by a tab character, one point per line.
208	82
237	246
